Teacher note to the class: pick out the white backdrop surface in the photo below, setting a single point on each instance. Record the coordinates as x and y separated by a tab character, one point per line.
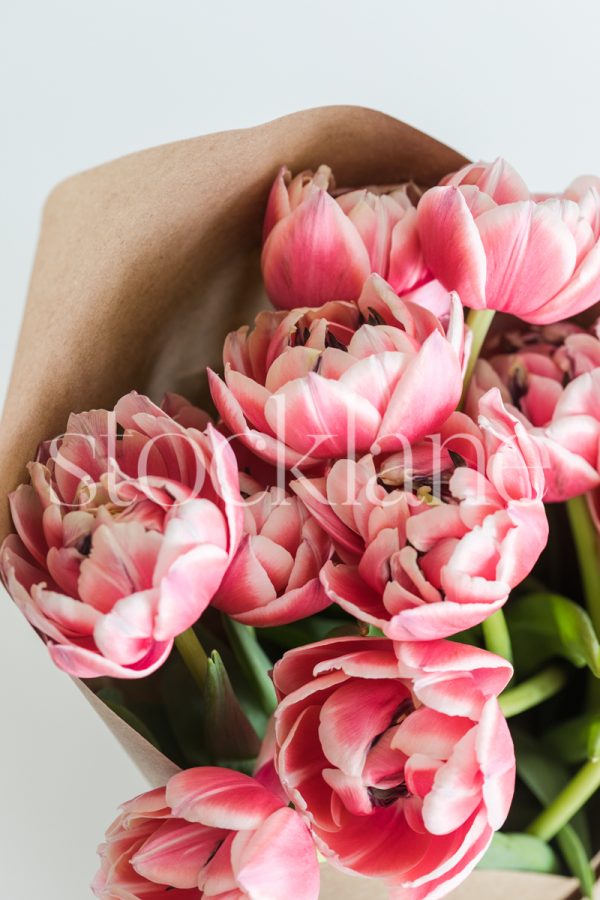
83	82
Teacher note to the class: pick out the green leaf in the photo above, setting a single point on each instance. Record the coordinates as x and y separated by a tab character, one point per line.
545	778
184	707
254	662
109	698
593	747
229	734
472	636
544	625
577	859
576	739
522	852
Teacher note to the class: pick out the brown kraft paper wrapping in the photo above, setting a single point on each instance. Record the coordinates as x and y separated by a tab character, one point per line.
143	266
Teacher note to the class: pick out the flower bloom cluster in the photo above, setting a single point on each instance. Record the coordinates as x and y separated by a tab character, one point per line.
362	461
211	832
397	755
124	534
550	379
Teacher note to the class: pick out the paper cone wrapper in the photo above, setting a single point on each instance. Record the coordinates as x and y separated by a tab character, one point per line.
143	266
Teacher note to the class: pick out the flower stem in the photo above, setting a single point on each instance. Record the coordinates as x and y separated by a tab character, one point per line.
496	636
479	321
193	655
570	800
253	661
588	555
533	691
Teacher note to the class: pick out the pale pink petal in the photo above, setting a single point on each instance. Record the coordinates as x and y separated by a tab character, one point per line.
277	860
439	620
530	254
27	511
299	603
251	397
321	418
421	403
187	588
343	585
496	758
74	618
175	853
84	663
265	446
278	204
313	255
121	562
430	733
125	634
220	798
457	788
451	244
581	291
352	717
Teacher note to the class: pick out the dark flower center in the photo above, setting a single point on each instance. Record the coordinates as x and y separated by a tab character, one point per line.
518	383
85	545
381	797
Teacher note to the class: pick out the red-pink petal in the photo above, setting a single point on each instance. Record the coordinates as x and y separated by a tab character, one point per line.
220	798
451	244
277	860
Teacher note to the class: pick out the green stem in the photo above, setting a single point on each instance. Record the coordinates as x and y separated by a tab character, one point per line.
570	800
479	321
496	636
193	655
585	537
253	661
535	690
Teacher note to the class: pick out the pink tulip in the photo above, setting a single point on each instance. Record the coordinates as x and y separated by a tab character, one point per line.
498	180
396	755
210	833
312	384
274	576
320	248
550	379
482	236
123	540
430	547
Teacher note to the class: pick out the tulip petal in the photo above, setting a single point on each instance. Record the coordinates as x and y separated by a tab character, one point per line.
420	403
313	255
530	254
296	604
221	798
451	244
175	853
321	418
277	860
352	717
343	585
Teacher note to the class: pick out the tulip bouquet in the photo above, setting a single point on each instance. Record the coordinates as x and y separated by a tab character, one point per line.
323	598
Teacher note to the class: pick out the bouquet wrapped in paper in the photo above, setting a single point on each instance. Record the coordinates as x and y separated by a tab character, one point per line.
302	459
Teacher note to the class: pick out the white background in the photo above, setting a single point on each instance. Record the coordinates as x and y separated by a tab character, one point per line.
86	81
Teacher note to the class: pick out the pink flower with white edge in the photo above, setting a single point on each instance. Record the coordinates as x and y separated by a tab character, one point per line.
210	832
498	180
313	384
123	535
397	755
550	380
319	248
430	547
482	236
274	577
